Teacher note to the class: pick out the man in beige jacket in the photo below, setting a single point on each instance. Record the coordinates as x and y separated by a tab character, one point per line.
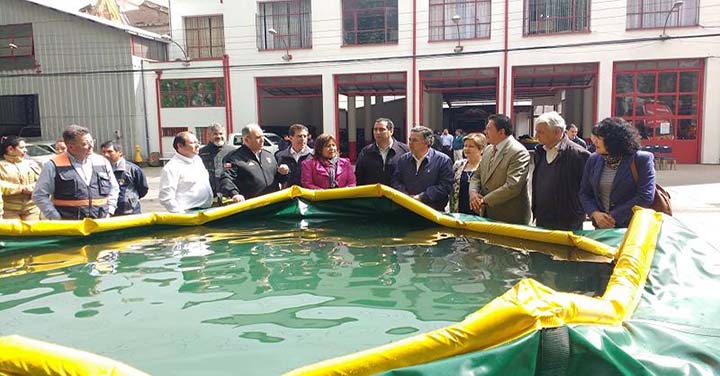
499	191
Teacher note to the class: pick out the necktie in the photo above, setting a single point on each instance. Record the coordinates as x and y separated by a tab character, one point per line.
492	156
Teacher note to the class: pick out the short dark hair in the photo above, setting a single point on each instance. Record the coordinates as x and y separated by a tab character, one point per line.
388	123
297	128
570	126
320	143
8	141
179	139
619	137
111	144
502	122
73	131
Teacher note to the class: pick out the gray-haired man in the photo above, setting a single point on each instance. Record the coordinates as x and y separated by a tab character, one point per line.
213	153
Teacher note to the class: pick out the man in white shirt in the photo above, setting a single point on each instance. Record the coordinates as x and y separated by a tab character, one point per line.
185	183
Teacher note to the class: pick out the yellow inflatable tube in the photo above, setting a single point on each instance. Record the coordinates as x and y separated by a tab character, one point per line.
90	226
527	307
24	356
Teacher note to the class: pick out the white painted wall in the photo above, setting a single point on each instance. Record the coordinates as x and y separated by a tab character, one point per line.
328	57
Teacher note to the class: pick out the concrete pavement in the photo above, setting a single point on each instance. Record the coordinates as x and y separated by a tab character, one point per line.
695	191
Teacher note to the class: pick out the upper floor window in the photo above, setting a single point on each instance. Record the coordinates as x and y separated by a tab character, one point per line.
370	21
290	19
648	14
474	19
17	49
204	37
202	92
556	16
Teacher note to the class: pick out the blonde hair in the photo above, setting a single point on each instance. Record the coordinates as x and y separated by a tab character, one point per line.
478	139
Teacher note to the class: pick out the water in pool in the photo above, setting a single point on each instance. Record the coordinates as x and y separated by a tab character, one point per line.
266	297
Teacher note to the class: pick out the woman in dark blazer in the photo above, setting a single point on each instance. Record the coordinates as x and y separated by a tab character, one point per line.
608	190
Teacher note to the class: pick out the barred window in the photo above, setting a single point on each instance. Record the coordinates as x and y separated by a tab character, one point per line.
204	37
292	21
207	92
556	16
648	14
370	21
474	19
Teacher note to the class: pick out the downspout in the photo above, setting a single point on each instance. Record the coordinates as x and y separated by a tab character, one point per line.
144	97
505	62
414	60
228	94
157	101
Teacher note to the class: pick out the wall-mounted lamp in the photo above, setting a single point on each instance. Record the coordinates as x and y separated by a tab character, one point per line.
274	33
459	48
13	46
186	61
676	5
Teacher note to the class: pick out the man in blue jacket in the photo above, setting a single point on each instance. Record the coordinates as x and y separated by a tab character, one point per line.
424	173
130	177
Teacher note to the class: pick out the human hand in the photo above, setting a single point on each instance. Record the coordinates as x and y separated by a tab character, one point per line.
283	169
602	220
416	197
476	202
238	198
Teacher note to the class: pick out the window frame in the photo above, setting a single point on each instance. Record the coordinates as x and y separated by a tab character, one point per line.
527	21
263	35
444	25
636	93
12	38
190	49
641	14
346	10
189	93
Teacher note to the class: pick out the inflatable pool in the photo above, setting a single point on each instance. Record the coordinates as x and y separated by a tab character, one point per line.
313	275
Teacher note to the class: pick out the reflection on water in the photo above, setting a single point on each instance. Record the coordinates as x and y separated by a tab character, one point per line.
184	297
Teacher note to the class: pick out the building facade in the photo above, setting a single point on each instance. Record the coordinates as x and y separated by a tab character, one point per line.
59	68
337	65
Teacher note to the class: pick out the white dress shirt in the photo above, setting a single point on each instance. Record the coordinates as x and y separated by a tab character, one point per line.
184	184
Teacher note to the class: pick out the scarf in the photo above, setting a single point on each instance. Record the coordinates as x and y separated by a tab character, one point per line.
612	162
331	165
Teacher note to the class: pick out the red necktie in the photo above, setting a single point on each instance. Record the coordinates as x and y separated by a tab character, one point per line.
492	156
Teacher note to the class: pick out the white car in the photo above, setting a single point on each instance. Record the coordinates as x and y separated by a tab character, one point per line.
271	141
39	153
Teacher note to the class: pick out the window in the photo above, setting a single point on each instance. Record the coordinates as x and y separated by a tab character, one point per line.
661	98
646	14
17	49
149	49
291	19
370	21
209	92
556	16
474	19
20	115
204	37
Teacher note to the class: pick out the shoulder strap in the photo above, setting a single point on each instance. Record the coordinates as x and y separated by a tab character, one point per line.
633	169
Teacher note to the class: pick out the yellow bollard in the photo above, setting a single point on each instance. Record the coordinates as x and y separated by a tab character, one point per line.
137	158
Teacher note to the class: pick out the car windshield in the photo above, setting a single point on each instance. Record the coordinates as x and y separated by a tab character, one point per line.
37	151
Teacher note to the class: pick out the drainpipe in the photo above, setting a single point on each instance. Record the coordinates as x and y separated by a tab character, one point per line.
228	94
157	101
145	117
414	60
505	63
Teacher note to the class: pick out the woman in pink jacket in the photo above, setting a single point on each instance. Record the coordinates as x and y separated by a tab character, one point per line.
326	169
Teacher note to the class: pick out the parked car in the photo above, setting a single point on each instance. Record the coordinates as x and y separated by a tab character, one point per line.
39	153
271	141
